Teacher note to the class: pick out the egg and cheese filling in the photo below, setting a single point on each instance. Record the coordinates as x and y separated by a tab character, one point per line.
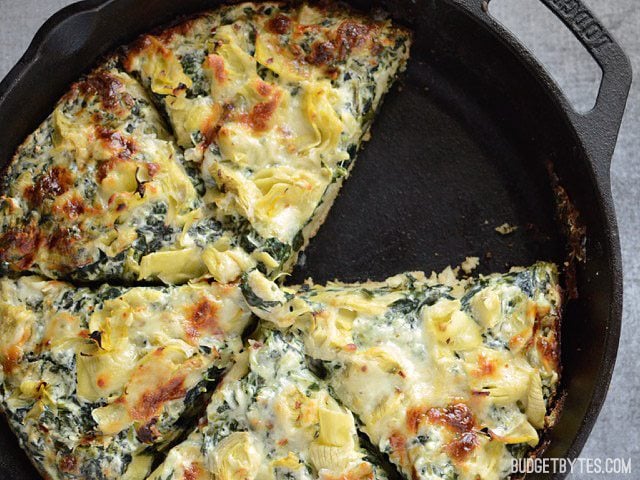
270	102
271	418
96	187
450	381
96	382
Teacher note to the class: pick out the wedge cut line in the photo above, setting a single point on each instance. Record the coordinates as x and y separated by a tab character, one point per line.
263	137
271	128
272	418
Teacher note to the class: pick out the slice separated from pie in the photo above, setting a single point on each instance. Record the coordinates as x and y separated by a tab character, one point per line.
450	381
271	417
97	187
96	382
271	103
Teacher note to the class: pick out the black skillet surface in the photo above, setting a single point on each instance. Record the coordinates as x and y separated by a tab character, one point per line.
459	148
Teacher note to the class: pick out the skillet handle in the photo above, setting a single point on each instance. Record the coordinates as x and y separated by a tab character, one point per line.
599	127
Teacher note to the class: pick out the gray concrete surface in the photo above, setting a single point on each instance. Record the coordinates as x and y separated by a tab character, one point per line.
617	432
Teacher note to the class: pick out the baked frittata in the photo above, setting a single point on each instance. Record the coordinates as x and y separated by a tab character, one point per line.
205	156
272	418
270	102
261	137
96	187
96	382
451	381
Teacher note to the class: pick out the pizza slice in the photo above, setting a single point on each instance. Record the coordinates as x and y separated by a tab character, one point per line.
97	187
96	382
271	417
451	381
271	103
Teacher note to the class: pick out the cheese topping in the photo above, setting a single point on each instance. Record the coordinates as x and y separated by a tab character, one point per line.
94	381
464	376
271	103
272	418
97	186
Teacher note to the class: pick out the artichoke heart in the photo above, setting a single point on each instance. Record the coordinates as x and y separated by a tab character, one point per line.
451	326
384	359
486	307
337	426
520	433
173	266
226	265
331	458
236	458
164	68
536	408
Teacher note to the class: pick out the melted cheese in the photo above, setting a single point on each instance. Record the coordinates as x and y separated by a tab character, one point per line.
96	186
264	134
271	418
112	373
270	127
460	374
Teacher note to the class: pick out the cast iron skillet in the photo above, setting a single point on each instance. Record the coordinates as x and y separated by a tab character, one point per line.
461	147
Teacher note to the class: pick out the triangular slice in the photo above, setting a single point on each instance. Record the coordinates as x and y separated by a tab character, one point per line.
272	418
95	382
96	187
271	103
451	381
